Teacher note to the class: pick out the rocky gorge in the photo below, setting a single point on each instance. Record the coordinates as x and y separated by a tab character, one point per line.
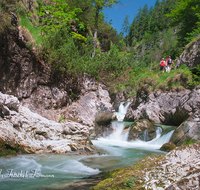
43	112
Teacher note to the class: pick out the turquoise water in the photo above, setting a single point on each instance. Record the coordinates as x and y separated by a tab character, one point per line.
53	171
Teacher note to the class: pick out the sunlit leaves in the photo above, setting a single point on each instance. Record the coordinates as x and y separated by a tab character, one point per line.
57	15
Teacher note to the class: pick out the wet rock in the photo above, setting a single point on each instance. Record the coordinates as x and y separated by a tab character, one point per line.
101	131
104	115
168	147
36	134
142	129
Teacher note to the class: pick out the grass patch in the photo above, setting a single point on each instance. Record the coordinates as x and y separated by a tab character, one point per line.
149	81
35	32
189	141
130	182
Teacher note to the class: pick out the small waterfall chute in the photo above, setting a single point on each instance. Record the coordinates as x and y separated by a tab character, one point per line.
123	107
162	139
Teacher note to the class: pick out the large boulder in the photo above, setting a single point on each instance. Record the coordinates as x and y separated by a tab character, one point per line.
104	114
188	131
142	130
93	107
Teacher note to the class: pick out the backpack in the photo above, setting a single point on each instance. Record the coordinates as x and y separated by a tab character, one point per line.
169	61
162	63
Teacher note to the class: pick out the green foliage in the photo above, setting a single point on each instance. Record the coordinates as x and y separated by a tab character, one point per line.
67	41
13	152
130	182
196	32
74	96
20	9
55	16
78	37
5	19
189	141
100	4
186	16
2	153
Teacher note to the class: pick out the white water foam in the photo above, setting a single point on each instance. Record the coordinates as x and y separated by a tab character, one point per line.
122	110
72	167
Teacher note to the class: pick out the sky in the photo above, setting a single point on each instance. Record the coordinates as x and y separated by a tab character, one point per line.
118	13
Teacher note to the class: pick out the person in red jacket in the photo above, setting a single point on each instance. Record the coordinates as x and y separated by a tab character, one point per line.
162	65
169	63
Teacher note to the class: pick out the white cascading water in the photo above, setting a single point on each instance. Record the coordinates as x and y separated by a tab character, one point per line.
119	126
122	111
118	138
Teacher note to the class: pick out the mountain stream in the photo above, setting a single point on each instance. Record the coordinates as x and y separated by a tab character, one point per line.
68	171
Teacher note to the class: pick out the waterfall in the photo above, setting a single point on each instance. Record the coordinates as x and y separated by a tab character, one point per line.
118	126
159	141
120	136
123	107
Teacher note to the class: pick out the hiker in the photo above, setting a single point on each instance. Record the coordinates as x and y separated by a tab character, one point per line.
169	63
162	65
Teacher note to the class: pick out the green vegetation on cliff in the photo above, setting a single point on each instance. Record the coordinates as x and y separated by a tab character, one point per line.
60	33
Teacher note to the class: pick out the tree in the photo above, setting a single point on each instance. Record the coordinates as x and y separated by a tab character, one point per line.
185	15
126	28
99	5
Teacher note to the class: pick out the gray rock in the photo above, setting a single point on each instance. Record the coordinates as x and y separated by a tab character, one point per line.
36	134
143	130
190	56
188	131
170	108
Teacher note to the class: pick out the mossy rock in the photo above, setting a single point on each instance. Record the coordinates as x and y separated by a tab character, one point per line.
9	148
127	177
168	147
140	127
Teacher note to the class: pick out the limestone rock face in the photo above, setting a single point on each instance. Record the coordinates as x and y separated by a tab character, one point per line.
188	130
170	108
19	127
93	106
190	56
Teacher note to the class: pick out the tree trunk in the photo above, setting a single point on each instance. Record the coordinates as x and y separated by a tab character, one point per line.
95	31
